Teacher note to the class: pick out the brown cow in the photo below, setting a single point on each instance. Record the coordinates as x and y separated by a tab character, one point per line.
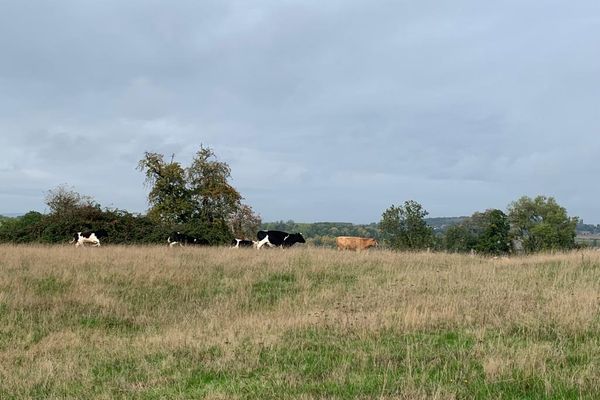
354	243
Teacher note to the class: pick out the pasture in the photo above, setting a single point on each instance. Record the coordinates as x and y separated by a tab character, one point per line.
304	323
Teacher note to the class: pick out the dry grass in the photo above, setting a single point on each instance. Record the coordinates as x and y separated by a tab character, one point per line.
154	322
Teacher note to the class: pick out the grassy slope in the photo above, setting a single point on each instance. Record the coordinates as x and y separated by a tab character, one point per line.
152	322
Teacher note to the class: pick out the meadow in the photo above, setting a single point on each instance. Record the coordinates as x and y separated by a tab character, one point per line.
121	322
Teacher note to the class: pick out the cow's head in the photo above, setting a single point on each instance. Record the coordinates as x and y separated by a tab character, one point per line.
295	238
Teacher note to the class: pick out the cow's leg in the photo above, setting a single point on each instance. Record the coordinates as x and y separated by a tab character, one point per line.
262	242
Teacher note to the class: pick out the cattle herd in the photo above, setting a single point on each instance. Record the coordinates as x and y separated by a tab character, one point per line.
270	238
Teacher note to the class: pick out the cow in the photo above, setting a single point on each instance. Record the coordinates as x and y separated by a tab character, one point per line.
237	243
182	239
278	239
354	243
93	237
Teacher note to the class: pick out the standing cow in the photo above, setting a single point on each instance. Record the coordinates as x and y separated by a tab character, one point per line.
354	243
278	239
92	237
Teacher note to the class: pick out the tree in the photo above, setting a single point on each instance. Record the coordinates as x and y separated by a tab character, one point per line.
460	238
198	199
404	227
62	200
169	197
212	195
486	232
492	229
244	223
541	224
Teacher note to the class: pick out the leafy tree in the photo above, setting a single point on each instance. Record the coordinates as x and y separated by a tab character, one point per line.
492	228
169	197
198	199
460	238
62	200
244	223
214	199
486	232
404	227
541	224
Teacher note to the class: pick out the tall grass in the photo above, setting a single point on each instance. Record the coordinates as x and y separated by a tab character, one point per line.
154	322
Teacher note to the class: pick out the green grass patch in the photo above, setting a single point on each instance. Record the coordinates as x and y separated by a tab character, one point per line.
325	279
267	292
110	324
48	285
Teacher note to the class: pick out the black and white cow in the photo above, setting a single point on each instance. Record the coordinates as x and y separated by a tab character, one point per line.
278	239
181	239
237	243
93	237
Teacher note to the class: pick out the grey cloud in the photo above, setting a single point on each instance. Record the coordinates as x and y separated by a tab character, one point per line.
462	105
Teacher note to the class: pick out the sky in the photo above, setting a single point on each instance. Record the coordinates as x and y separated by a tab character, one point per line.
324	110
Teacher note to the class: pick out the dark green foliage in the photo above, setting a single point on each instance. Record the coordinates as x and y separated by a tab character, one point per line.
24	229
494	236
542	224
486	232
460	238
169	197
404	227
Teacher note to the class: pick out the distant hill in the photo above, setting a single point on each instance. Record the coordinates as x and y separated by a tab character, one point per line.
587	229
11	215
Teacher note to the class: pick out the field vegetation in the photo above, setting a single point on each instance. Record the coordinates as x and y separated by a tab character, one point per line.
150	322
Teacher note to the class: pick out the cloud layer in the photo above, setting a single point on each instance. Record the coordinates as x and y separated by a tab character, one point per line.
328	111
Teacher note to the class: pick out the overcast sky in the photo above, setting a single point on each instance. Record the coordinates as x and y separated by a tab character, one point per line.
324	110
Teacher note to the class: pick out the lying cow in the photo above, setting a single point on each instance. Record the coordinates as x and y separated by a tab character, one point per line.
278	239
181	239
354	243
92	237
237	243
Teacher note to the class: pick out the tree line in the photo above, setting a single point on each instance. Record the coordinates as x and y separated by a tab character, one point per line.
200	201
197	200
529	225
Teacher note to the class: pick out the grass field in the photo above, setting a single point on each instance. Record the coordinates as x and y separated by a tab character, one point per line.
215	323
